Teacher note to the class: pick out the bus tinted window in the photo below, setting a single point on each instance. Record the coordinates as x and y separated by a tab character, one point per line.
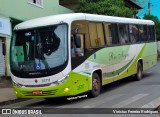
143	33
96	34
114	33
151	34
133	30
123	33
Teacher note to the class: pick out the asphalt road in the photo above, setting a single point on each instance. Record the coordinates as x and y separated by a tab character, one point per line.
125	94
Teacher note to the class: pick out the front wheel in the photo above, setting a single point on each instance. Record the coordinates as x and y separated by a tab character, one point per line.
139	71
96	85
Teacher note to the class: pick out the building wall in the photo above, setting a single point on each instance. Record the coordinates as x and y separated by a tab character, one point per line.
21	10
5	34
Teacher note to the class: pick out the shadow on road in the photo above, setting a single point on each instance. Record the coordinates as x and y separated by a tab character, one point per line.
55	102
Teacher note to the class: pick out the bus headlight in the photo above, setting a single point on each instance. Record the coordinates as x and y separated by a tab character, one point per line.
63	79
60	81
66	89
17	85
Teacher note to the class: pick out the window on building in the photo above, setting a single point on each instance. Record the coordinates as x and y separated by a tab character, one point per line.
96	34
38	3
123	33
133	30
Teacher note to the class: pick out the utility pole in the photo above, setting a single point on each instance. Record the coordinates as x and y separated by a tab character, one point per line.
149	7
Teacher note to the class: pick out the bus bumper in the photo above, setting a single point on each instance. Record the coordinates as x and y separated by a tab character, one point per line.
75	85
48	92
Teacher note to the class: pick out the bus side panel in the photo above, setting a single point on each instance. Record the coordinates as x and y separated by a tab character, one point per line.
81	83
149	55
134	53
117	62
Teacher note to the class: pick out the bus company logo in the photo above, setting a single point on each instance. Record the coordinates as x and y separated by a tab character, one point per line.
36	81
6	111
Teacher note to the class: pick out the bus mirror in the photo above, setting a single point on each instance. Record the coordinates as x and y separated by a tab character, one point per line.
77	41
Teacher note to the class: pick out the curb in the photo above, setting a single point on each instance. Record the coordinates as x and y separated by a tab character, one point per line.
5	82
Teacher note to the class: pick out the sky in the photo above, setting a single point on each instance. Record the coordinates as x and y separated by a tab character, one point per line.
155	8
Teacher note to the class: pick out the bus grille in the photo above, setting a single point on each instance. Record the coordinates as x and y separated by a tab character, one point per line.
41	85
45	93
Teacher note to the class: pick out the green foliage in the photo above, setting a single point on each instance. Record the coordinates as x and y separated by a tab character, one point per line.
157	24
106	7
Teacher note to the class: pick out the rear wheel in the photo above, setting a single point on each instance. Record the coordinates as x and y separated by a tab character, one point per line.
96	85
139	71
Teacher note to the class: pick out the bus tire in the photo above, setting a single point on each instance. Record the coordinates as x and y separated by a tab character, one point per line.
139	71
96	85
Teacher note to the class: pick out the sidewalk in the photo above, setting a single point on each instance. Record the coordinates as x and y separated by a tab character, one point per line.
6	90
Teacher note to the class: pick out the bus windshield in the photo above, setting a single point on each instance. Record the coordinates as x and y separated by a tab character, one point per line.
39	49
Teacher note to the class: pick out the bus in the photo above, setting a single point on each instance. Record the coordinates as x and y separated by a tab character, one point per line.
70	54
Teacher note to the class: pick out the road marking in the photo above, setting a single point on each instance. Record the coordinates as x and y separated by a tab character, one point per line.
153	104
107	99
129	101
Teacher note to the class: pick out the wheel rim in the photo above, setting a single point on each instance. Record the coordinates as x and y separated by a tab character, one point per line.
139	73
95	84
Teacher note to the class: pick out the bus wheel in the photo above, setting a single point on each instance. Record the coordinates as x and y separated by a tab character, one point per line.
96	85
139	71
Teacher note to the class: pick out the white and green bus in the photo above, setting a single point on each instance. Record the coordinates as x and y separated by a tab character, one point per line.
70	54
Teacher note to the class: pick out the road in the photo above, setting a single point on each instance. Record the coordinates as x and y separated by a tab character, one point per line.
126	93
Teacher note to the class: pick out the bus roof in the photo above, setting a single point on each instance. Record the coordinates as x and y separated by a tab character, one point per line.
62	18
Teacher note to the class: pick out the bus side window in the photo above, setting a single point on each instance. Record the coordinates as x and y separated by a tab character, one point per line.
145	37
96	34
123	33
151	33
143	33
77	45
114	33
108	34
133	30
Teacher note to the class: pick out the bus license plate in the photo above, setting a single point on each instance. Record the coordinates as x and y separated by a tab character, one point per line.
37	92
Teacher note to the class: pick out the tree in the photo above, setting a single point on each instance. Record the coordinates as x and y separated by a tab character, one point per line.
106	7
157	24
